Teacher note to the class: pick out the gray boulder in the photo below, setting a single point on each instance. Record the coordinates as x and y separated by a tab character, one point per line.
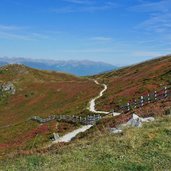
7	87
137	121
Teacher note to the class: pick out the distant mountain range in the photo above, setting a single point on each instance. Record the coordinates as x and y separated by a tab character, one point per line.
79	68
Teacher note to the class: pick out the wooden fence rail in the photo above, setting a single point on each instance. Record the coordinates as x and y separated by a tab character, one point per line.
144	100
90	119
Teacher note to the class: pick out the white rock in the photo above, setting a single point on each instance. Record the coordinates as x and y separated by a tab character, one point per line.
149	119
115	114
8	87
56	136
115	130
137	121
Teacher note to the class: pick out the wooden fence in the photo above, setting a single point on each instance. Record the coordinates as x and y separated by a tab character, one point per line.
90	119
144	100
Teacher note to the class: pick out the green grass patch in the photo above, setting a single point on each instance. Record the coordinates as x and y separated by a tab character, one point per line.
138	149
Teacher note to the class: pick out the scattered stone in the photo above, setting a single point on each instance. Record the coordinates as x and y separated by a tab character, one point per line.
115	130
7	87
56	136
149	119
115	114
137	121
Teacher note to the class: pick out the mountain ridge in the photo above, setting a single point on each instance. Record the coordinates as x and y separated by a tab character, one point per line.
75	67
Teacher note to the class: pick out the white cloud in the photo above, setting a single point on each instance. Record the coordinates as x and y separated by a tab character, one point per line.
158	23
9	27
89	7
101	39
159	16
147	54
6	35
19	33
93	50
79	1
159	6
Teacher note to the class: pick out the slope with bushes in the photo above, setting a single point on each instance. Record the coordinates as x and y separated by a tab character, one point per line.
40	93
44	93
134	81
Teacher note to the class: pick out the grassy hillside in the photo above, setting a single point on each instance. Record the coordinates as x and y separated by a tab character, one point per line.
45	93
137	149
39	93
134	81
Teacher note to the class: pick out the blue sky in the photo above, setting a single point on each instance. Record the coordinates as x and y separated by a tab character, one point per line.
119	32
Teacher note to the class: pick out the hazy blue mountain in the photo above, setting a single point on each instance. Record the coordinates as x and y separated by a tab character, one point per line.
79	68
3	63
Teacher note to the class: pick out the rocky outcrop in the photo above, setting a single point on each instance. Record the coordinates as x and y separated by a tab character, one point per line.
8	88
135	121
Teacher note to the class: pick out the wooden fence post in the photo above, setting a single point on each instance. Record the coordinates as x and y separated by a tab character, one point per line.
135	102
149	100
77	119
155	95
142	101
128	106
165	92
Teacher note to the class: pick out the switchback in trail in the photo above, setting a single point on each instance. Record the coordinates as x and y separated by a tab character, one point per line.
92	103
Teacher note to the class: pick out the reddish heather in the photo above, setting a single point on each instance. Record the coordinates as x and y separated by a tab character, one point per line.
134	81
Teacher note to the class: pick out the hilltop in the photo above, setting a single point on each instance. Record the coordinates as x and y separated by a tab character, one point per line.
40	93
133	81
43	92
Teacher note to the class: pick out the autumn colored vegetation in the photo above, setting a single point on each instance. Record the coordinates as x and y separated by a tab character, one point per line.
40	93
137	149
134	81
45	93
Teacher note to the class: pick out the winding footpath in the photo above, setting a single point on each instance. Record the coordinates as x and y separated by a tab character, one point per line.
92	108
68	137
